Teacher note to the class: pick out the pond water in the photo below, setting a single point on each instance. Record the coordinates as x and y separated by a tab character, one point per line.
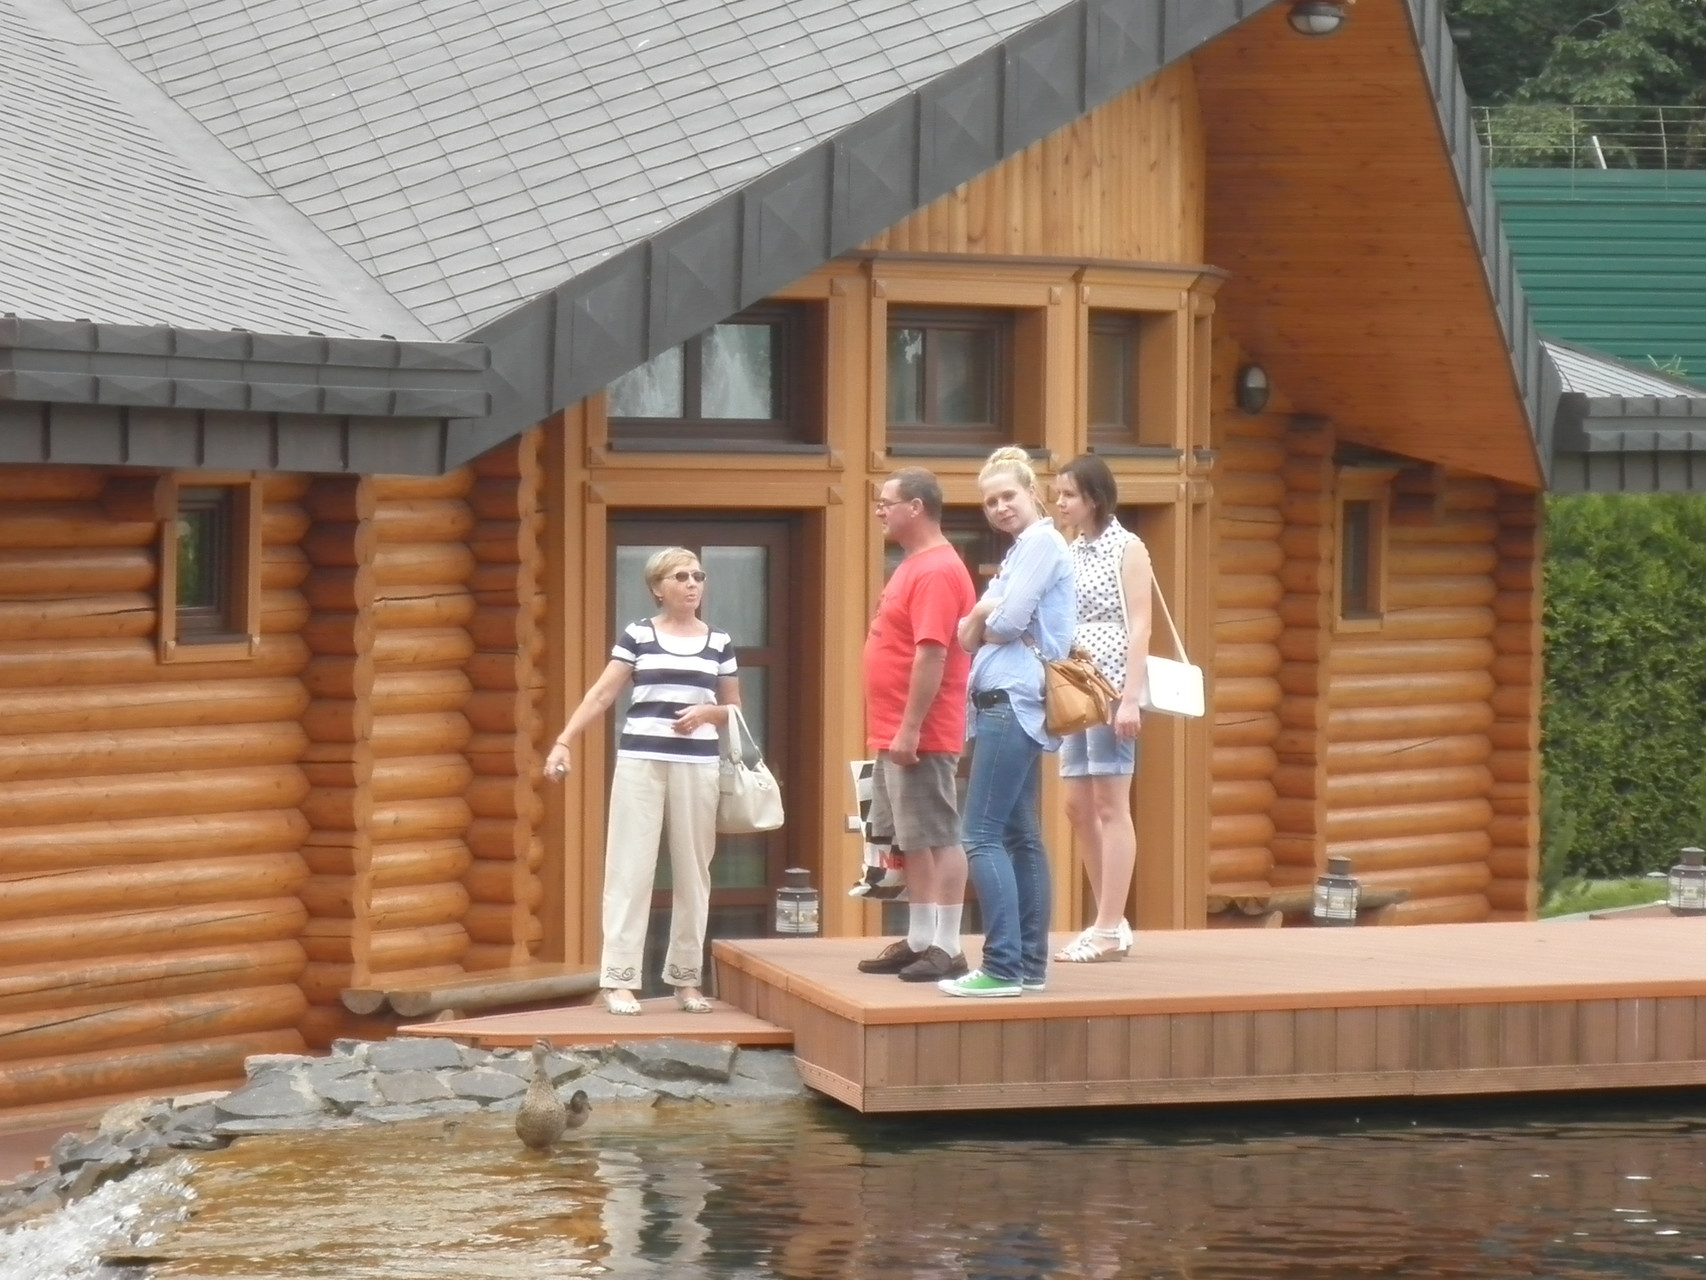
1576	1189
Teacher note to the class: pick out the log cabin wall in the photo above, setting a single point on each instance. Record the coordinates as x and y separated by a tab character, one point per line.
422	608
1250	492
1408	746
1518	640
150	859
506	674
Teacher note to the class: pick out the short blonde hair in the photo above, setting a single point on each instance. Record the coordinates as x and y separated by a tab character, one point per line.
666	562
1011	458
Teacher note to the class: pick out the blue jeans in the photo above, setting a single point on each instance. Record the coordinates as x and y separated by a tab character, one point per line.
1004	846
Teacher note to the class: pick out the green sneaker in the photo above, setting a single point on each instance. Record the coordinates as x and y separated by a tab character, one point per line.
978	985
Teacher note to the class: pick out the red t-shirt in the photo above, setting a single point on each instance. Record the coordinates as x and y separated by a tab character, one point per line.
923	603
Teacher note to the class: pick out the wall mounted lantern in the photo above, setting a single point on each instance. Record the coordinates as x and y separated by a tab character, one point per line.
1688	885
1251	388
1336	894
1316	17
797	904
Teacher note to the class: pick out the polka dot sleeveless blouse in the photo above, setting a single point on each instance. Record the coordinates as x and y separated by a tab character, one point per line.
1101	619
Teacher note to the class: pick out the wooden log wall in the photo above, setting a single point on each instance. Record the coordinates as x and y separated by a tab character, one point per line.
507	678
422	608
1408	751
338	759
1306	610
150	859
1514	862
1250	523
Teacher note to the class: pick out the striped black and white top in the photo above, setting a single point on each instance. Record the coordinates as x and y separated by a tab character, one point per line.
671	673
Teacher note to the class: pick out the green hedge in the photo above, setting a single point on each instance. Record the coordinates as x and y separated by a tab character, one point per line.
1624	717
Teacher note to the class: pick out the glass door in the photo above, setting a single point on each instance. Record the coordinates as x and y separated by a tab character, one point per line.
747	593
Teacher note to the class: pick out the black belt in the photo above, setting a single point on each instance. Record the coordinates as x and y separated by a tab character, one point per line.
990	698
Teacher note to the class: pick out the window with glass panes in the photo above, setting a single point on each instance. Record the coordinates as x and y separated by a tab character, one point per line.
947	378
748	382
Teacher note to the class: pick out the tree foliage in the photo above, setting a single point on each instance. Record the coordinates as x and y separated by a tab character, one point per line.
1600	52
1624	717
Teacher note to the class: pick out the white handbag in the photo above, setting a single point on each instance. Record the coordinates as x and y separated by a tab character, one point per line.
748	799
1170	687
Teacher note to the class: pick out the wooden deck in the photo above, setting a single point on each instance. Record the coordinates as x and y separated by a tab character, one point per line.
590	1024
1214	1016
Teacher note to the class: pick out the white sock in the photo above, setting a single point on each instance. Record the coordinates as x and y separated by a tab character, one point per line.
920	924
948	928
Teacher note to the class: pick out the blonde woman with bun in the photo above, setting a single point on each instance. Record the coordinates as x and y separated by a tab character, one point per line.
1026	615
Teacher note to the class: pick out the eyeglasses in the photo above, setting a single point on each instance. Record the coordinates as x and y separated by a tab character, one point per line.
687	575
883	504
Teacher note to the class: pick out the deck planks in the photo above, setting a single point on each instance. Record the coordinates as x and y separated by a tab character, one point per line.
1223	1015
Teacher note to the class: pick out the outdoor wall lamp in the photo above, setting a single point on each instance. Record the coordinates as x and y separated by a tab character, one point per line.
1251	388
1336	894
1688	885
796	904
1316	17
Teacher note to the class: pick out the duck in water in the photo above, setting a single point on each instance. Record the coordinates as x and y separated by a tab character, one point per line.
543	1118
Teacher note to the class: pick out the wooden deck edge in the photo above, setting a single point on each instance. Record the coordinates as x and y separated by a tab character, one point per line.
827	1082
1286	1088
843	1005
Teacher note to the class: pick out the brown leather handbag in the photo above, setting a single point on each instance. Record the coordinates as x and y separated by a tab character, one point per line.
1076	696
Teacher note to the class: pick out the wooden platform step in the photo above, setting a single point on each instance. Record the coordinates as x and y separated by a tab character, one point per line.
592	1025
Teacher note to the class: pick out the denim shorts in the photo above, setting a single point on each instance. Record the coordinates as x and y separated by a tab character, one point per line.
1098	752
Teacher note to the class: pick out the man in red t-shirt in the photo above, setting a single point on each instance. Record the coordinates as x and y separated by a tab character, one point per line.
915	722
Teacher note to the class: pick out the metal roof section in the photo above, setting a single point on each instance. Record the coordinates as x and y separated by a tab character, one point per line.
1537	377
100	176
148	395
1615	259
1594	374
1626	430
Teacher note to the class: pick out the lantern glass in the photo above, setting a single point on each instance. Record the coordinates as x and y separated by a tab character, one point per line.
796	904
1316	17
1336	894
1687	878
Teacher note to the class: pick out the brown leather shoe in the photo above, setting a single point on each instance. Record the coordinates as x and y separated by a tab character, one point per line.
895	957
933	965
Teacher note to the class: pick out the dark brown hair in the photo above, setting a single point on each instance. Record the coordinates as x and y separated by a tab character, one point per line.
1094	482
917	483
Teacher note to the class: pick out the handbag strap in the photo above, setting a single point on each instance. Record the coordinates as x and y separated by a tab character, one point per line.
738	735
1125	610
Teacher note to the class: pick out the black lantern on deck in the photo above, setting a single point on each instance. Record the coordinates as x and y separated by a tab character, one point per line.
1688	885
1336	894
796	904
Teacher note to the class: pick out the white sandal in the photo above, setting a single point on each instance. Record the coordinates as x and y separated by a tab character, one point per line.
1090	947
625	1007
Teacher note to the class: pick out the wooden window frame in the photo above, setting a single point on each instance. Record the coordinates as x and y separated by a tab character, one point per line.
241	637
1373	486
797	390
936	438
1159	411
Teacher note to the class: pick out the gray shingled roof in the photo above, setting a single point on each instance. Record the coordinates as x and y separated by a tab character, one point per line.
469	155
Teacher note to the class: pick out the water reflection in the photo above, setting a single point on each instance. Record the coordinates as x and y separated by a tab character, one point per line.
813	1192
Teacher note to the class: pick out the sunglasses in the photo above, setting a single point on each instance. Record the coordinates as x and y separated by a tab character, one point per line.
687	575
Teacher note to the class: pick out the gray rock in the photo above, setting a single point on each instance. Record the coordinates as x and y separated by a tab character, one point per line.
97	1174
197	1119
599	1089
73	1155
414	1054
345	1095
285	1095
404	1087
328	1070
416	1111
571	1066
768	1069
125	1116
258	1066
190	1101
672	1059
195	1141
484	1085
248	1126
350	1049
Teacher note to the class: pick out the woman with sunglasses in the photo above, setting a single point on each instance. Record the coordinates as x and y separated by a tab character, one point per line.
683	673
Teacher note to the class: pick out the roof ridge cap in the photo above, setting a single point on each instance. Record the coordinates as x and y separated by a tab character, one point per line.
202	152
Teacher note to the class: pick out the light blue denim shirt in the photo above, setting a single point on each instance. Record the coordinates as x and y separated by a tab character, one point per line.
1034	587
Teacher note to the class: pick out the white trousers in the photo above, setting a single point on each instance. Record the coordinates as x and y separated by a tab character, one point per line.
650	799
